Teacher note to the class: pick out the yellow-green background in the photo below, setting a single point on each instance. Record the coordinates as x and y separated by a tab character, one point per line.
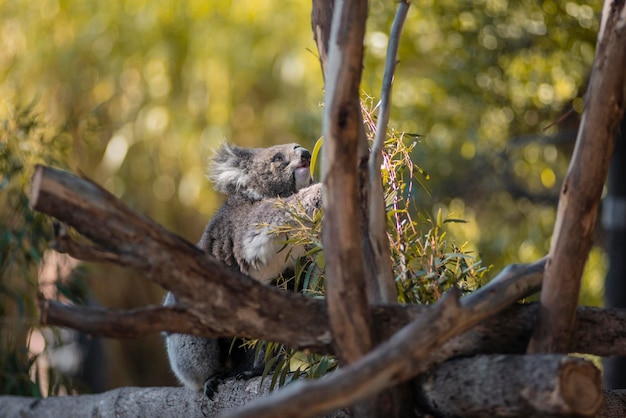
143	91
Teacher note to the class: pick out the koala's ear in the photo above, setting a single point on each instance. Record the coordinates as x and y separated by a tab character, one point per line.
228	168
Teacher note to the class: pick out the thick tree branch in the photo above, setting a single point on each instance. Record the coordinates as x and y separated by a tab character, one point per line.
166	402
234	300
582	187
345	271
124	324
600	332
378	276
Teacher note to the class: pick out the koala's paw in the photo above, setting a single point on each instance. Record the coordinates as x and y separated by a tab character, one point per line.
211	384
249	374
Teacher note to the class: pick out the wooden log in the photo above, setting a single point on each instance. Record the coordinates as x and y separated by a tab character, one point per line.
512	386
166	402
614	405
132	402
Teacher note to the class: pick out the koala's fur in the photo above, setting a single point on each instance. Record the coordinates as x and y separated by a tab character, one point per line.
240	235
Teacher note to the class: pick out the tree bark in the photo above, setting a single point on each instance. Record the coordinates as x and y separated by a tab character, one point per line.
176	402
321	19
512	385
345	273
614	404
582	187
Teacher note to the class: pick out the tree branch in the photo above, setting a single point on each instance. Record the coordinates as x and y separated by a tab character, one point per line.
321	19
124	324
345	273
377	214
600	332
582	187
237	303
374	273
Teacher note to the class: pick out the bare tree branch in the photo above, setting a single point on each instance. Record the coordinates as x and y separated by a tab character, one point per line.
377	212
123	324
345	273
582	187
374	273
384	108
64	243
321	19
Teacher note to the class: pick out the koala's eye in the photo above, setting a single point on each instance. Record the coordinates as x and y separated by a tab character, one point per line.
278	158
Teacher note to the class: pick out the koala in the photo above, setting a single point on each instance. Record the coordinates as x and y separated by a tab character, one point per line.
241	236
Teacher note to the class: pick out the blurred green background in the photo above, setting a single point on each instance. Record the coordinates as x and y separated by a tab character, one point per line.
135	94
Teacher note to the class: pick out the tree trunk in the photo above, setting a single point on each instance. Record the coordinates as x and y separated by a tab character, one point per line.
582	187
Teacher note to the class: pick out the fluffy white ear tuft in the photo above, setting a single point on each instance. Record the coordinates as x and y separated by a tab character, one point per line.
228	170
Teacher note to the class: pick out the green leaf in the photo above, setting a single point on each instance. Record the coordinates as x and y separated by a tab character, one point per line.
315	153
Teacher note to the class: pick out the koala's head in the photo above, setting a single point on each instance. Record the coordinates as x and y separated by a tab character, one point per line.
257	173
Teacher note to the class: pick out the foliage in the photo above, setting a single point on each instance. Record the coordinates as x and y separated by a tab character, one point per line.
24	236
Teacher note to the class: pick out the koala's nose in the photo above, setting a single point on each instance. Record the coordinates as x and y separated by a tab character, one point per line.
305	155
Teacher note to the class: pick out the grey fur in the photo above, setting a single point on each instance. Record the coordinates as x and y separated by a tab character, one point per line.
240	235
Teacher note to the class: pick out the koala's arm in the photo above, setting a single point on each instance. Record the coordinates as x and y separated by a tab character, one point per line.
261	252
271	212
236	235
